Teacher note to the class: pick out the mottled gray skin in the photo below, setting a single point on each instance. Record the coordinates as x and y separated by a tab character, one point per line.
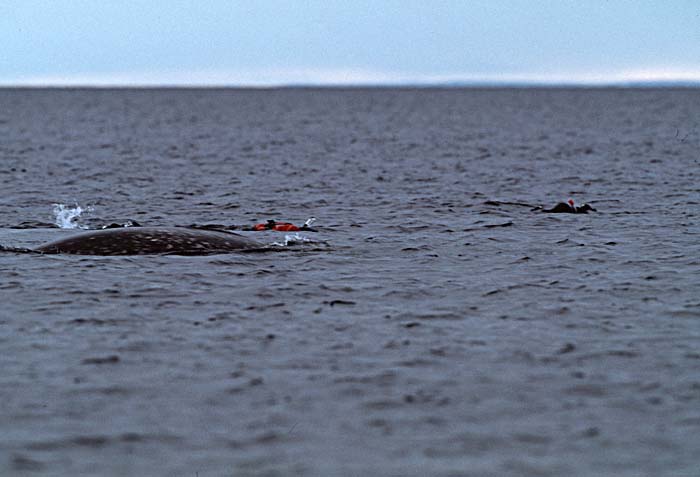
151	240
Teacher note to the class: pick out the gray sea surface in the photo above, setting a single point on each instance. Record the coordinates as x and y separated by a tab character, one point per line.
433	327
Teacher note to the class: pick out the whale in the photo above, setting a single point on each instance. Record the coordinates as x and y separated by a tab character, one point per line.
152	240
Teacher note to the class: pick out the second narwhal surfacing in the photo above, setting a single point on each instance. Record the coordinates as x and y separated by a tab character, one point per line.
152	240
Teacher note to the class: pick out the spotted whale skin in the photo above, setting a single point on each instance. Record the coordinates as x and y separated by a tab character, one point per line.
151	240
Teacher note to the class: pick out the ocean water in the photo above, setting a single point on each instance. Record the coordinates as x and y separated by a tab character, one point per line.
433	325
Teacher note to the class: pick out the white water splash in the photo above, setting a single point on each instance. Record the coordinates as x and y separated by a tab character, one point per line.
292	239
66	217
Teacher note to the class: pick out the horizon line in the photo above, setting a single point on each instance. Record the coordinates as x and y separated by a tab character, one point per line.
680	83
353	77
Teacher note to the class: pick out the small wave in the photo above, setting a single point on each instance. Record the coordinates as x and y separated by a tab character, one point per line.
292	239
32	224
66	217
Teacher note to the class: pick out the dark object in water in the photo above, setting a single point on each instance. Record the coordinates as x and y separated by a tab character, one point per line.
561	208
128	223
569	208
152	240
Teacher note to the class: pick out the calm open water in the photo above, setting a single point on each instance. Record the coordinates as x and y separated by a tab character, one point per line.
428	332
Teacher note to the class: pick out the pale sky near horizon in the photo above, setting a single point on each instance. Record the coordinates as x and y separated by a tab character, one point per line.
273	42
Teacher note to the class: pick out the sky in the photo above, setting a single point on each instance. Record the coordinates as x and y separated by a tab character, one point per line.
350	42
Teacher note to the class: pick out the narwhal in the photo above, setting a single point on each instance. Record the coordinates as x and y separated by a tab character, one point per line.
151	240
